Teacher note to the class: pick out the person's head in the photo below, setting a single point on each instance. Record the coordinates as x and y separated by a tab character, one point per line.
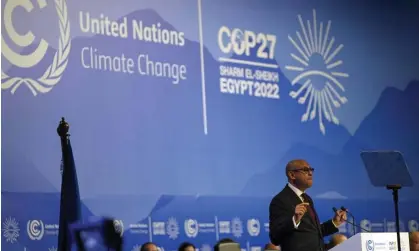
414	241
336	240
222	241
271	246
299	174
186	246
148	246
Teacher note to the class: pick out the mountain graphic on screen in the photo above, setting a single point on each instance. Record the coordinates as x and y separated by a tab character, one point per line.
392	125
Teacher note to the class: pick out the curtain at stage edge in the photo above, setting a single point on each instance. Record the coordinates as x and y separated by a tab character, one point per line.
70	197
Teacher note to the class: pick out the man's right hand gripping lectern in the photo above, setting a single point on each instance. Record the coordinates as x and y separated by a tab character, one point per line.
374	241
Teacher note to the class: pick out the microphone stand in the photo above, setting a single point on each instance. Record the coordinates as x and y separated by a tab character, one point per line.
353	219
395	189
352	223
358	226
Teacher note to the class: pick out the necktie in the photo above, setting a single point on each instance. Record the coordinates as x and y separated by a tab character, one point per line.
310	207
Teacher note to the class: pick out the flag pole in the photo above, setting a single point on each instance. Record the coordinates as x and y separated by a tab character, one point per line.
62	131
70	198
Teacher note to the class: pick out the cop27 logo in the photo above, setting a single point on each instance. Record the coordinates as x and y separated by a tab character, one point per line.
11	230
317	67
53	73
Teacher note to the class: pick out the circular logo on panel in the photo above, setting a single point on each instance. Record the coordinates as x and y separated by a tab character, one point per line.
119	226
35	229
48	77
365	224
253	227
191	228
413	226
317	75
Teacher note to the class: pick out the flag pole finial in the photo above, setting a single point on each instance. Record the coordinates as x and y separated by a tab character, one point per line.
63	128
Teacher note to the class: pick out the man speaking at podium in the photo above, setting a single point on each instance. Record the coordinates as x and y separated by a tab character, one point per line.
293	221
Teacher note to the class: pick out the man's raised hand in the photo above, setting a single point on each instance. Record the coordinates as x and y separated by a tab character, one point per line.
300	210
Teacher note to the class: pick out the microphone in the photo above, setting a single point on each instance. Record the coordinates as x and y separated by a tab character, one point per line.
353	219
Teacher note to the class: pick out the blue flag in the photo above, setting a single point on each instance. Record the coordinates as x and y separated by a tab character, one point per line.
70	197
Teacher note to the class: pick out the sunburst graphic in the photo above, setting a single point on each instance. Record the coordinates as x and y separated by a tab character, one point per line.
317	69
136	248
11	229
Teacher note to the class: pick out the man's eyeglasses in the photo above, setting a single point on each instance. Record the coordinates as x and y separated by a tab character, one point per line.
304	170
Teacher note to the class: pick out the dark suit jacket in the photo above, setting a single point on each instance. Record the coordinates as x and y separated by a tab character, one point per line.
309	234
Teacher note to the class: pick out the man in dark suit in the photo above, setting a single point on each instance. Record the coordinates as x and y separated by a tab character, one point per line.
293	221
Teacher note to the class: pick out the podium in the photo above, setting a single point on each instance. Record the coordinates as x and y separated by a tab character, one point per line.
374	242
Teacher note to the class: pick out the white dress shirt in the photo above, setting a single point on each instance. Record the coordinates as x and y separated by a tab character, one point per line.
298	192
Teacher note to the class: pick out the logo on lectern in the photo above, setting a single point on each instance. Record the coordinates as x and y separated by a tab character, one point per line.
370	245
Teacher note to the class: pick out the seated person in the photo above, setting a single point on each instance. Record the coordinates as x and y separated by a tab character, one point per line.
223	241
336	240
149	246
186	246
271	246
414	241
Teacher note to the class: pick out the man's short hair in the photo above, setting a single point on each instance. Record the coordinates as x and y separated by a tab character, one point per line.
222	241
292	164
144	247
184	245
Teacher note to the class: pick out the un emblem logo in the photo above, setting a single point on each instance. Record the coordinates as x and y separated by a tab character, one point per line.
119	227
191	228
35	229
53	73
